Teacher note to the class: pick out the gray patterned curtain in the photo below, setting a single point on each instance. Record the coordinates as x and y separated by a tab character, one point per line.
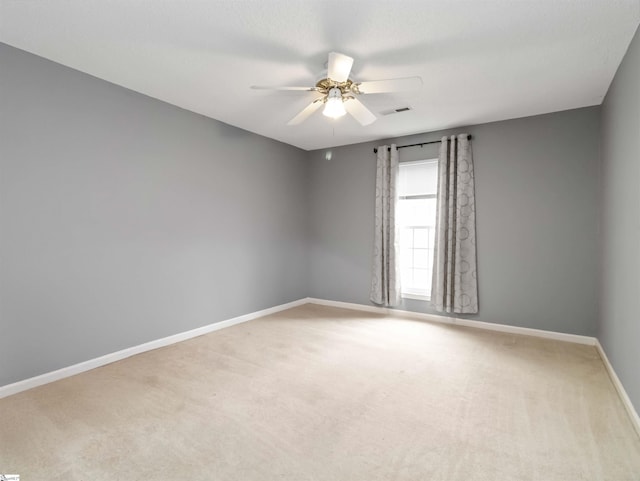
385	278
455	285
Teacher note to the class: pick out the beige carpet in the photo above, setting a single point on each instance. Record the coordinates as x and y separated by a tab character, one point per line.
318	393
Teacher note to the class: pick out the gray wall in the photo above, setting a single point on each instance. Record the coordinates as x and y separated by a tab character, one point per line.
124	219
619	327
537	221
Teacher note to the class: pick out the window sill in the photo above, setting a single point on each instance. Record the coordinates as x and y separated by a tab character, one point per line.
416	297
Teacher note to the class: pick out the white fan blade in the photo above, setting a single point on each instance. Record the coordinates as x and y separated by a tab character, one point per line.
339	67
267	87
306	112
359	111
391	85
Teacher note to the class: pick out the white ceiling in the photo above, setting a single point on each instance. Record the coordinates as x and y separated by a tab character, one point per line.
480	61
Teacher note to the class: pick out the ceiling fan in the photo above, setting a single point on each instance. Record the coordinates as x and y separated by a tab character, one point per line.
339	92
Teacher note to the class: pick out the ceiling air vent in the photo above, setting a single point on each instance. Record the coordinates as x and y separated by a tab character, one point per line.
396	111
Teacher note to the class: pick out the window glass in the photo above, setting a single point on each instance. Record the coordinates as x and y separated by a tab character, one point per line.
416	217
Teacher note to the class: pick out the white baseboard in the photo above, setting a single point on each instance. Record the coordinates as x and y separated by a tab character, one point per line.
559	336
624	397
48	377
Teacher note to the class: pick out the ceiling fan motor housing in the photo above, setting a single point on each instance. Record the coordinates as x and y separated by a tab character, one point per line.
325	85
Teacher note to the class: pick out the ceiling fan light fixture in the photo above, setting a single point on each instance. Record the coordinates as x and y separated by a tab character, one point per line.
334	106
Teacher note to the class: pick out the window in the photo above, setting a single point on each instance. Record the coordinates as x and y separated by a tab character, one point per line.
416	217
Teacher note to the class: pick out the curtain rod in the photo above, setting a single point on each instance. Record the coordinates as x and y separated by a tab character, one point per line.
375	149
